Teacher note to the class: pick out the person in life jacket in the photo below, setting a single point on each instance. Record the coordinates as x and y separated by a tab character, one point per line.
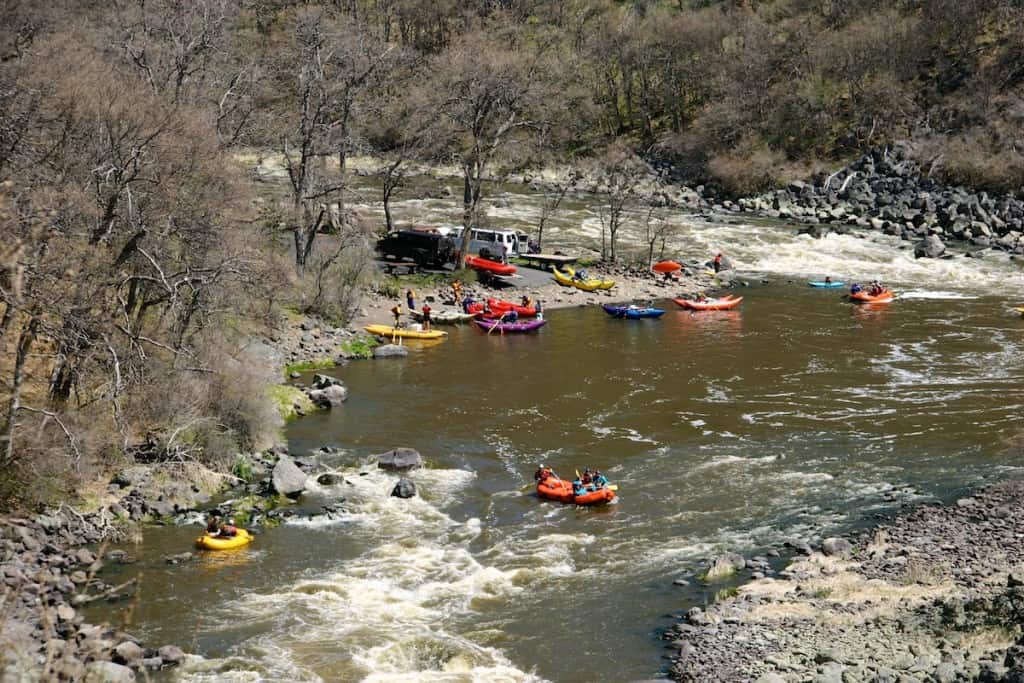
855	288
426	316
600	481
577	487
229	530
396	311
213	525
526	301
543	473
717	263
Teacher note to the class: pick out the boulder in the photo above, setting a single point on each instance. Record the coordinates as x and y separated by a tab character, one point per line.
108	672
930	247
836	547
400	459
328	397
83	556
131	477
128	653
404	489
391	351
287	478
329	479
324	381
724	566
171	654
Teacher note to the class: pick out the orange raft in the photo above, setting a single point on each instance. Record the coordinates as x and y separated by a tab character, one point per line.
554	488
723	304
666	267
862	297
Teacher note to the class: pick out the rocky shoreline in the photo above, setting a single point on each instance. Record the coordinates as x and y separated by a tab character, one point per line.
934	594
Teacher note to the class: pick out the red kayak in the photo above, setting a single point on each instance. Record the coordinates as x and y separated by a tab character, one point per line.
666	267
554	488
486	265
722	304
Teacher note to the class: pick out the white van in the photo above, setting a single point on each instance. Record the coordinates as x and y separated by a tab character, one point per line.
498	244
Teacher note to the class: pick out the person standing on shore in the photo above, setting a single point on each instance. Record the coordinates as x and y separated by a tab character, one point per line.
426	316
410	299
457	292
396	311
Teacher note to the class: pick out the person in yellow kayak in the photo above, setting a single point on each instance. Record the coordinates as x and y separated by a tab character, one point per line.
213	525
228	530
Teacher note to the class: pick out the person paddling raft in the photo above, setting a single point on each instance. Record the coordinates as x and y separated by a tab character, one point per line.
228	530
600	481
213	525
855	288
577	487
543	473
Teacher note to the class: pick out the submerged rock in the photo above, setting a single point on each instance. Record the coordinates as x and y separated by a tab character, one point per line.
391	351
404	489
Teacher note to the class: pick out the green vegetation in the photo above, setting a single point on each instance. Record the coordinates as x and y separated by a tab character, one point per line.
727	593
306	365
243	468
286	398
360	347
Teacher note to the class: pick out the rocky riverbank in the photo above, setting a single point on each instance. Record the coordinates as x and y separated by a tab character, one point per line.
935	594
887	190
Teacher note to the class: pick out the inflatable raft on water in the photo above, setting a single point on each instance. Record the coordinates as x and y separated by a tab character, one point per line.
499	306
404	333
721	304
632	312
498	326
209	542
862	297
554	488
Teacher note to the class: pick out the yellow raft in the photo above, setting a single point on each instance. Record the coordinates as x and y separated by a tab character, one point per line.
403	333
208	542
567	280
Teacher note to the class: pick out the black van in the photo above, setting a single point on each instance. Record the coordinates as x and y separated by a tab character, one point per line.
425	248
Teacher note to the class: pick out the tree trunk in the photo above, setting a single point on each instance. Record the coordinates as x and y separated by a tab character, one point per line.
28	335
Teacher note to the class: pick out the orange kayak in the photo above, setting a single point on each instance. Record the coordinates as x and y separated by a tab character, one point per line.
722	304
666	267
862	297
553	488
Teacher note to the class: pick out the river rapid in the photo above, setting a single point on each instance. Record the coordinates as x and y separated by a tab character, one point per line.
796	414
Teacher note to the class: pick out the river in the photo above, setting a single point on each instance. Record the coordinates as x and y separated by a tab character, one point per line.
796	414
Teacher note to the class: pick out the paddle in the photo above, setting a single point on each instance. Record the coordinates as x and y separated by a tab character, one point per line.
497	322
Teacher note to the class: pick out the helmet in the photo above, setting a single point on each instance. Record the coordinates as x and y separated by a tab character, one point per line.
231	521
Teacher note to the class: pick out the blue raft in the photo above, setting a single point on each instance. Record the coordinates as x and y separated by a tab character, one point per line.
632	312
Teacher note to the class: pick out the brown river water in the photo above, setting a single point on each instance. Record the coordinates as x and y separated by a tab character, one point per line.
797	414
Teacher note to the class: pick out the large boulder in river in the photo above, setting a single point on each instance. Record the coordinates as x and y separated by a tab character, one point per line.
837	547
287	478
724	566
400	460
108	672
324	381
328	397
391	351
930	247
404	489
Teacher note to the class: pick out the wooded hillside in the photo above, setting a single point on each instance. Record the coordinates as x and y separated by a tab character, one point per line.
137	253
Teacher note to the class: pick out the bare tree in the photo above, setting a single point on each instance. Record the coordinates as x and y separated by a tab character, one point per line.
621	170
553	200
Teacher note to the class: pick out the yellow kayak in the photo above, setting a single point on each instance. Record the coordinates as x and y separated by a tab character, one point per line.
403	333
208	542
587	285
601	284
1020	309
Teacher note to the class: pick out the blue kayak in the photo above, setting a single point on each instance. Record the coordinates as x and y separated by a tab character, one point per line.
632	312
826	285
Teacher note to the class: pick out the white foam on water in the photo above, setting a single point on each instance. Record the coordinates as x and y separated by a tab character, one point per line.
940	295
385	614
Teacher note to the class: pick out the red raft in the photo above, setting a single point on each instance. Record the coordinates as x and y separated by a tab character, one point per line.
488	266
722	304
554	488
498	306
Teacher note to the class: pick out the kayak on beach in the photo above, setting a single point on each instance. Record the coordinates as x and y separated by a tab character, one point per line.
497	326
215	542
567	280
821	284
666	267
488	266
404	333
721	304
862	297
601	284
632	312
